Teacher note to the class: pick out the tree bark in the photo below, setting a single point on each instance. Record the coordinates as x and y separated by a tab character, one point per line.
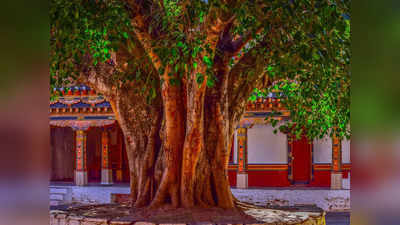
178	151
172	144
178	145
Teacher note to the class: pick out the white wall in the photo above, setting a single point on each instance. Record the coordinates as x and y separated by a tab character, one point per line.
323	150
346	151
266	147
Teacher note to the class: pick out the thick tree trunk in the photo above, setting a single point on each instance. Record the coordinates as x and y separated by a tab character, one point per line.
178	150
178	156
141	124
178	145
172	143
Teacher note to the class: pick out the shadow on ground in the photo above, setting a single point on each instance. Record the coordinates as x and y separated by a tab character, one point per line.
337	218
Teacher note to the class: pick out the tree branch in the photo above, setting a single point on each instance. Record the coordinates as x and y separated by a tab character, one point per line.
247	74
142	34
240	43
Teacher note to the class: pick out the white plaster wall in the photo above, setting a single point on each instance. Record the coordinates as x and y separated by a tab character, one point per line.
323	150
346	151
266	147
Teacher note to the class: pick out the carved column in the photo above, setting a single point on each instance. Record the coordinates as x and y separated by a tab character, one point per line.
242	176
106	171
81	178
336	170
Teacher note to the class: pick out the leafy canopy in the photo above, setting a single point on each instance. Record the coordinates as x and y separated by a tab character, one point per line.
302	46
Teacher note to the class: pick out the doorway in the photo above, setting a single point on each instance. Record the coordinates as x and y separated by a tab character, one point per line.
62	154
301	152
93	154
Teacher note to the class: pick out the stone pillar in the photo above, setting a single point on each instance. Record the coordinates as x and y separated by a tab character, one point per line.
242	176
106	171
81	178
336	170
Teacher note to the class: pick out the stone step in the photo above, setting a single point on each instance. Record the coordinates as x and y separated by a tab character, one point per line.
54	202
59	197
58	190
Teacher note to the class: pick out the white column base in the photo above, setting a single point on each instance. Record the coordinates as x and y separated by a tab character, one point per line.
346	183
336	180
106	177
242	180
81	178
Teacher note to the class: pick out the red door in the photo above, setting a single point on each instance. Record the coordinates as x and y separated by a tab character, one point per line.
301	161
93	154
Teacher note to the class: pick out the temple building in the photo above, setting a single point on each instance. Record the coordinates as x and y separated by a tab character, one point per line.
87	147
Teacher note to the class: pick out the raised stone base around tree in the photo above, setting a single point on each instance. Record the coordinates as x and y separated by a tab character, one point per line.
120	214
328	200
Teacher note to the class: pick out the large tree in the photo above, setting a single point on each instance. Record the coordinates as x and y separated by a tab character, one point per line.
179	74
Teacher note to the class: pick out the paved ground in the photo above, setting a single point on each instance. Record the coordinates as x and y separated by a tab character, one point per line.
332	218
338	218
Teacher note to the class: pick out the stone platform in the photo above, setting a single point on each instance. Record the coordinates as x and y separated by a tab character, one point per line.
113	214
328	200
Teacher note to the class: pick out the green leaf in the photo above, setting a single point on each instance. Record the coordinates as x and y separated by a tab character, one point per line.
180	44
210	82
201	17
199	78
207	61
153	92
274	122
